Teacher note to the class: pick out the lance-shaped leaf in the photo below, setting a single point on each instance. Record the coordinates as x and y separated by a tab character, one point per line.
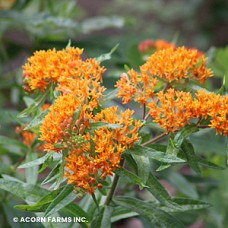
143	167
107	56
186	205
153	213
188	152
103	217
131	177
36	104
41	160
120	213
37	121
154	154
65	197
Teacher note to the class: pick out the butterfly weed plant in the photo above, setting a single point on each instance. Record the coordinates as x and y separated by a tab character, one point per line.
85	156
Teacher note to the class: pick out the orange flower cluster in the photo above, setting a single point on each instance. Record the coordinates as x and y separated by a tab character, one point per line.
133	86
166	65
63	108
148	45
87	166
176	64
93	153
175	109
46	67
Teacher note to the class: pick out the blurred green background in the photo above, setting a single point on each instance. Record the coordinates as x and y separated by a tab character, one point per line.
97	26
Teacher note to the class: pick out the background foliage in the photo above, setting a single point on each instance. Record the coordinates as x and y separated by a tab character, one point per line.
97	26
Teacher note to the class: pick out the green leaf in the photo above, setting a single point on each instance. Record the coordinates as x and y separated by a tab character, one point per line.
157	190
97	125
152	212
13	142
182	134
5	168
187	205
120	213
31	173
97	23
154	154
68	44
52	175
41	97
41	160
131	177
65	197
130	162
107	56
71	209
209	164
143	167
189	154
37	121
25	191
103	217
42	204
182	184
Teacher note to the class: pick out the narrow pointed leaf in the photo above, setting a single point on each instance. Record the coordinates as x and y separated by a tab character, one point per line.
31	173
154	154
143	167
107	56
156	216
190	155
131	177
103	217
65	197
182	184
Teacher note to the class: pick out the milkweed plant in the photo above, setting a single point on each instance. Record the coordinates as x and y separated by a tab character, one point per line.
87	158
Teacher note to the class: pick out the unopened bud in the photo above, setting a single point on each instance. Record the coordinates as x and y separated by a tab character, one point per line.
99	185
78	122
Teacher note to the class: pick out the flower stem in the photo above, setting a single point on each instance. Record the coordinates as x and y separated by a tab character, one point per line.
155	139
113	187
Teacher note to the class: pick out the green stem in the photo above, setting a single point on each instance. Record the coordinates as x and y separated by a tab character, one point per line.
113	187
155	139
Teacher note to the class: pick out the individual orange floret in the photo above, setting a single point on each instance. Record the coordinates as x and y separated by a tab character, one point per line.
177	64
46	67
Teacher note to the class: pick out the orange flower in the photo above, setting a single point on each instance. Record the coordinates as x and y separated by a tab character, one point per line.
219	114
63	108
46	67
88	165
175	109
133	86
167	65
176	64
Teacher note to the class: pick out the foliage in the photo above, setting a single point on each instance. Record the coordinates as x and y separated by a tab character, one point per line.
71	149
